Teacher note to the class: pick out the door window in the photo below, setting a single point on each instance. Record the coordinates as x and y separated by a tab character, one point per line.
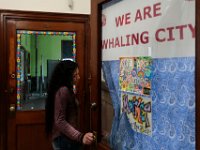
37	54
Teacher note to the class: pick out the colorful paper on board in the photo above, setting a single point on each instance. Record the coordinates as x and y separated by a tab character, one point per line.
139	112
135	75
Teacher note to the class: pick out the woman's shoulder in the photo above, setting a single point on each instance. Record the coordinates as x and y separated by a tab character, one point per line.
63	89
63	92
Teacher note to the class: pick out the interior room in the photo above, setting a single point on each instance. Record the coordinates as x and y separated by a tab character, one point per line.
138	65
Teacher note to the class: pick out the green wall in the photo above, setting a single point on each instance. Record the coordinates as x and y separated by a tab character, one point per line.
49	47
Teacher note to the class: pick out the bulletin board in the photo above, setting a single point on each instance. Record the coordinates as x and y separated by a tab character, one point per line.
165	32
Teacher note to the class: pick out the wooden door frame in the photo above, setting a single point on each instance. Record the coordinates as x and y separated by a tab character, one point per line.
36	16
96	66
197	77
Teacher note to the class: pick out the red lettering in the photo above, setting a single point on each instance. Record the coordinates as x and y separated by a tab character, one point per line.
138	15
192	29
117	42
147	11
103	20
169	33
156	8
111	43
157	35
122	44
181	30
128	18
171	38
127	39
144	37
104	44
119	20
135	39
124	19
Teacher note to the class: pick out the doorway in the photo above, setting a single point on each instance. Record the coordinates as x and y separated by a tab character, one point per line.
26	71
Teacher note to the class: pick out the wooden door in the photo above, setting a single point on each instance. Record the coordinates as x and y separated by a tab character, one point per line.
24	119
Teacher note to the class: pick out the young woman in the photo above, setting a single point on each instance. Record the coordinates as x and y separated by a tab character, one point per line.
62	108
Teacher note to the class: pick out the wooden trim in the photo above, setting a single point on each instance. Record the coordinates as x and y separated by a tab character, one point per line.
3	95
197	85
102	146
95	66
44	16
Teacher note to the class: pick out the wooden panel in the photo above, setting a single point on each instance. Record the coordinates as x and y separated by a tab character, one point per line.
197	83
30	117
36	138
11	82
48	26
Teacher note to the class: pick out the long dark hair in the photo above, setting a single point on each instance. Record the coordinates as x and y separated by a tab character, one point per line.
61	76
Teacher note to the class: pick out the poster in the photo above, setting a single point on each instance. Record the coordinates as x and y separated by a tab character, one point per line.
138	109
135	83
135	74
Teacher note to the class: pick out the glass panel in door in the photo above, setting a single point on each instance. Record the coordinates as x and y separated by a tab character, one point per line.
107	111
37	54
149	66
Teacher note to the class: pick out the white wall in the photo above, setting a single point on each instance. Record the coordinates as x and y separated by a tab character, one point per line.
79	6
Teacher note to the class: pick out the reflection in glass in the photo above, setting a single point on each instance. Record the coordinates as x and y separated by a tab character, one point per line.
37	54
107	111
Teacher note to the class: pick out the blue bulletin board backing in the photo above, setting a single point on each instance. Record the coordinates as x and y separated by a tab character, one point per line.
173	107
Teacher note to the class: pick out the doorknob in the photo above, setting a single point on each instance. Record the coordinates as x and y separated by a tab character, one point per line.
95	135
12	108
95	138
93	105
12	76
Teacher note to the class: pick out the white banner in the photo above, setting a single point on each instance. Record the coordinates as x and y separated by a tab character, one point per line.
156	28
